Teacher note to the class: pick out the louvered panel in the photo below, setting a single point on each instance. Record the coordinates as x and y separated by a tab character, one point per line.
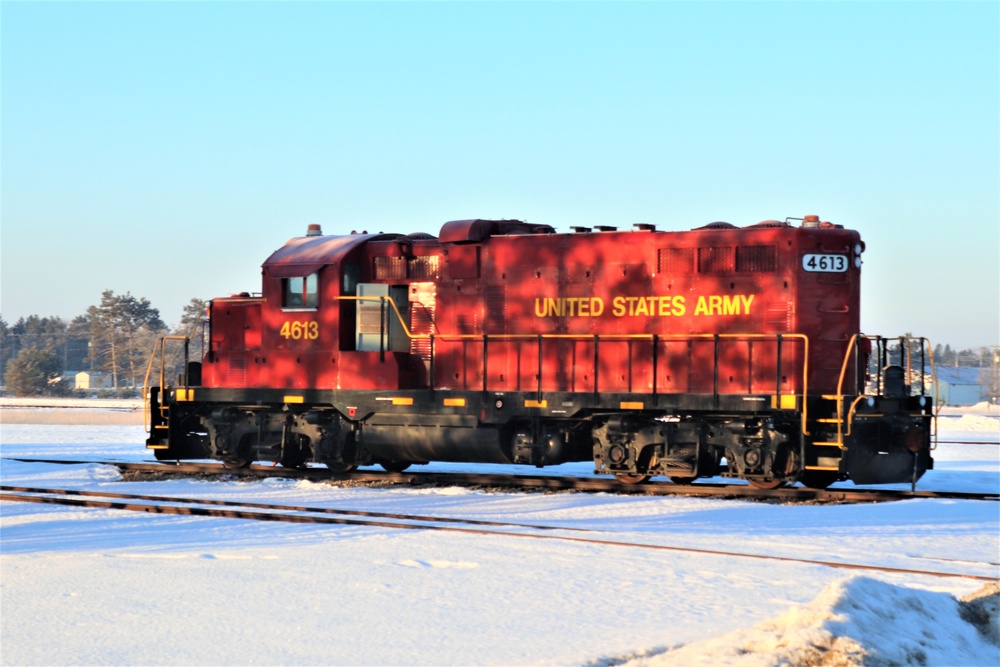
675	260
756	259
236	372
496	309
423	303
715	259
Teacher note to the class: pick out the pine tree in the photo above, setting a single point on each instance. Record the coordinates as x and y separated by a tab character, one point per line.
34	371
123	329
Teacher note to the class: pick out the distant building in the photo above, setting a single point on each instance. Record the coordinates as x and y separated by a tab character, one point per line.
92	380
960	385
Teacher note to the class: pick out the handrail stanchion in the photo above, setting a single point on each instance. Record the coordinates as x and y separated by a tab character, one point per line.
656	344
486	356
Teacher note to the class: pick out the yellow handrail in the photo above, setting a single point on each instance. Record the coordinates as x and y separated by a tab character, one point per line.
161	344
839	396
604	337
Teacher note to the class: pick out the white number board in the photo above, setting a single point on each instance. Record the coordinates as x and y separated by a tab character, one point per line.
825	263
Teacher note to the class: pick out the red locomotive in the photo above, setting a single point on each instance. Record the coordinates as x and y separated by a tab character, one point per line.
721	350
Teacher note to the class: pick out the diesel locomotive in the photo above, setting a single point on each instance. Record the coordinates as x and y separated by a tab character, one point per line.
720	350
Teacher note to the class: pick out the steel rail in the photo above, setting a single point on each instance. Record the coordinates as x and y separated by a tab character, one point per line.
271	506
190	510
537	482
967	442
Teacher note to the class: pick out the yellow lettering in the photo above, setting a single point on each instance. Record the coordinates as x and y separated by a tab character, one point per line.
715	304
299	330
730	305
575	306
665	305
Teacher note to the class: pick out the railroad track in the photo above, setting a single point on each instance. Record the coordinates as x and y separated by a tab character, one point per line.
532	482
968	442
322	515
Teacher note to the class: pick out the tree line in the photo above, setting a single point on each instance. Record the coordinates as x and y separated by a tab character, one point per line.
114	338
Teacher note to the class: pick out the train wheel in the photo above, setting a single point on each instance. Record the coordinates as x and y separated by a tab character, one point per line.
626	478
682	480
766	485
341	467
236	463
395	466
819	479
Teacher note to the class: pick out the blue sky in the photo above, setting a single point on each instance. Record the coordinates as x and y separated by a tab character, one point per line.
167	148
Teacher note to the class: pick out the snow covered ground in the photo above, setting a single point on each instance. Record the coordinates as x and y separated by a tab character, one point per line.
100	587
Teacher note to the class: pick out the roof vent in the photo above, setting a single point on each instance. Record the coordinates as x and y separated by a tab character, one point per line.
314	230
605	228
581	230
718	225
644	227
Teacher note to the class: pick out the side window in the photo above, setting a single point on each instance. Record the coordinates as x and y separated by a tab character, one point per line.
300	292
352	273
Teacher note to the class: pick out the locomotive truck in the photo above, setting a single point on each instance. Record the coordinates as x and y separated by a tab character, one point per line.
721	350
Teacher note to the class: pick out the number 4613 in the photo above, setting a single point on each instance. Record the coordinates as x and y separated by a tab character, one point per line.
300	330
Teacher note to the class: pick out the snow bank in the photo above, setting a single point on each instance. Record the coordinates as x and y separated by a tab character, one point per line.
81	411
855	622
93	403
983	408
972	423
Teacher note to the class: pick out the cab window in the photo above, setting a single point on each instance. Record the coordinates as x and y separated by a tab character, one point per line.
300	292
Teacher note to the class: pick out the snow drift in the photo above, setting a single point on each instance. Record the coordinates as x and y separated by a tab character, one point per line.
852	623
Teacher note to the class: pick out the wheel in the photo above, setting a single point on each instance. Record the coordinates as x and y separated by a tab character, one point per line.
819	479
395	466
341	467
626	478
236	463
682	480
766	485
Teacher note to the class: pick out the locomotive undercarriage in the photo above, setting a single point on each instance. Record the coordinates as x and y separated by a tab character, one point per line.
758	448
683	440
